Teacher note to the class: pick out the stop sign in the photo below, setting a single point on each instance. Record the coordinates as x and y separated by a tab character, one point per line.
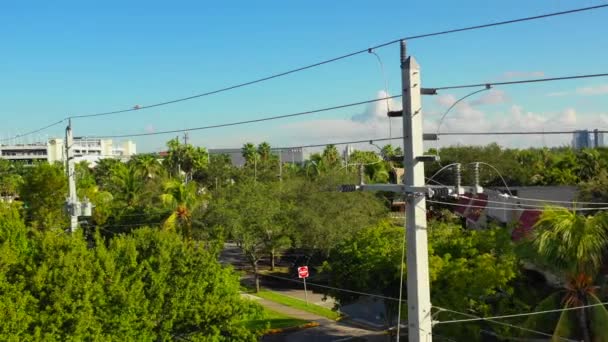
303	272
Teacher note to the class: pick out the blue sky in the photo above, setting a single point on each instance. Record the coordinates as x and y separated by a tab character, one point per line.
61	58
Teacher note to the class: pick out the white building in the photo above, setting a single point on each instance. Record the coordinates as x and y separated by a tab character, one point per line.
89	149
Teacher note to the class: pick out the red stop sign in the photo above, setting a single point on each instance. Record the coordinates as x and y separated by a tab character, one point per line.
303	272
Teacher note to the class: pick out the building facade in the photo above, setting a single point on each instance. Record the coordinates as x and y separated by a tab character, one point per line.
587	139
581	139
89	149
288	155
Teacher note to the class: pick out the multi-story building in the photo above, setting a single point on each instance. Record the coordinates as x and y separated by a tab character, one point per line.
587	139
288	155
581	139
598	138
89	149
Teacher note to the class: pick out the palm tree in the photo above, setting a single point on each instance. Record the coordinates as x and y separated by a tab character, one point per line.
250	153
147	165
264	151
126	184
574	245
331	156
182	200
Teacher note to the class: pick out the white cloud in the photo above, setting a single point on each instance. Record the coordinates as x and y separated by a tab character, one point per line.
377	110
601	89
494	96
593	90
464	117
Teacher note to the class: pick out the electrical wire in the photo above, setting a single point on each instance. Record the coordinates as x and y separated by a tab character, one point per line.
502	323
344	106
536	80
386	93
498	172
522	205
401	137
236	123
526	314
439	171
502	208
403	243
34	131
330	287
448	110
515	132
348	55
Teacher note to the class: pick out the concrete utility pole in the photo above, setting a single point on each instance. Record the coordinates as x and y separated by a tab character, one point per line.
72	203
418	292
415	191
74	207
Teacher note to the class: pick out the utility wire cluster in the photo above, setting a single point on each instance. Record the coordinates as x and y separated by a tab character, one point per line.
328	61
486	85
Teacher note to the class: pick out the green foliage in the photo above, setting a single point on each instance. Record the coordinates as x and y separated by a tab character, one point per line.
469	270
43	192
556	166
595	189
149	286
272	320
298	304
571	243
185	158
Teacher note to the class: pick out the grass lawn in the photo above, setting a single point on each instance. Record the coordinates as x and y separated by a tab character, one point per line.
273	320
298	304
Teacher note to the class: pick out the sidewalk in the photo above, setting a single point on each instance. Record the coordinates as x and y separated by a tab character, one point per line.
327	331
289	311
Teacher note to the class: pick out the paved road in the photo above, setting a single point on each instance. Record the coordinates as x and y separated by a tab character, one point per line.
327	331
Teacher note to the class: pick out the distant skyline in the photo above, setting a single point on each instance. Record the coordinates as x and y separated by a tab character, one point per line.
68	58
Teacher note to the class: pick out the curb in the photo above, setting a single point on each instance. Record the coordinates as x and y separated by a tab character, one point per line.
291	329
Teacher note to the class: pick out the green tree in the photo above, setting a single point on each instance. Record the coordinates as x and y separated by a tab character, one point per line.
182	200
185	158
150	285
264	151
468	269
250	154
147	165
252	217
331	157
574	246
10	179
595	189
43	192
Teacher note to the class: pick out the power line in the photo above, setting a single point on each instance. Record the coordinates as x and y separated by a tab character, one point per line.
502	323
348	55
523	205
236	123
267	78
502	208
34	131
476	319
515	133
351	105
536	80
331	287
